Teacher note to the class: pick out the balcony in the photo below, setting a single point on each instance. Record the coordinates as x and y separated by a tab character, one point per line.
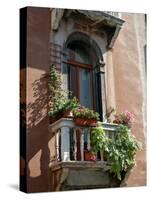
68	167
67	143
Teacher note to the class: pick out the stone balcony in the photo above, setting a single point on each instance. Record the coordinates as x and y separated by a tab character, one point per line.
68	145
69	170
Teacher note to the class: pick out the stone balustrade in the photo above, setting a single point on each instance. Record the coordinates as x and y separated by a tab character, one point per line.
71	140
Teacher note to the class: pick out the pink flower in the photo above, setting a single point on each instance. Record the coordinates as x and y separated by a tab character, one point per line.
125	118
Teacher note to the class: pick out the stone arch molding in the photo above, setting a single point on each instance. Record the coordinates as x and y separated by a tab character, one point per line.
88	41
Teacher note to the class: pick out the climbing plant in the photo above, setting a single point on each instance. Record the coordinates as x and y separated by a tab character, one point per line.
57	96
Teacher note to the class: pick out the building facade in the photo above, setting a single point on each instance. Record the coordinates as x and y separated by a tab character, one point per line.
102	59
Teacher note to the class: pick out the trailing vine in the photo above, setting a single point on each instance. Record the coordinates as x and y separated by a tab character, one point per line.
121	150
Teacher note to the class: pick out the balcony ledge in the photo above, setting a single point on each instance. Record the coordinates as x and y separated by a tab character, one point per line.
68	122
79	165
81	175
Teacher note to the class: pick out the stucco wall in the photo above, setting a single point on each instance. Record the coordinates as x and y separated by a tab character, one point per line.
129	81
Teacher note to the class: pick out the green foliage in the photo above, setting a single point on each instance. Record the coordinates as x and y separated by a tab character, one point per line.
126	118
57	96
86	113
120	151
70	104
99	141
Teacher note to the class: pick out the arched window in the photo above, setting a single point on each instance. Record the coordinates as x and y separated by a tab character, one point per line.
81	71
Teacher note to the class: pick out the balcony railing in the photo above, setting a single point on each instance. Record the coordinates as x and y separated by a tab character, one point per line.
71	140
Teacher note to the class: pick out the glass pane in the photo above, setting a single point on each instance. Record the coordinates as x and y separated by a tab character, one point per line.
85	88
79	54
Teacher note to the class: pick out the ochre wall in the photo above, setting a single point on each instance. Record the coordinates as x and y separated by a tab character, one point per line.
129	77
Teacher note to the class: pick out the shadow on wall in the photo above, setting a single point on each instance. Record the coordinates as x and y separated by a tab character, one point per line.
38	153
38	109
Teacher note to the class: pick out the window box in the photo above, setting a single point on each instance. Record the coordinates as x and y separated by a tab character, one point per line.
85	122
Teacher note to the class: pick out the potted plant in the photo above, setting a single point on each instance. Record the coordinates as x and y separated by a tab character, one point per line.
125	118
89	155
68	106
85	116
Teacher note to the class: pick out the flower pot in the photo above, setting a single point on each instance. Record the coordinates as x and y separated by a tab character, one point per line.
89	156
85	122
67	114
115	121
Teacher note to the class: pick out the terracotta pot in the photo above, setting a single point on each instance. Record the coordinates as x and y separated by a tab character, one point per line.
85	122
89	156
67	114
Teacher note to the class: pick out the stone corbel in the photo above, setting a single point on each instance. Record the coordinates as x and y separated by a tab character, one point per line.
56	16
117	30
63	177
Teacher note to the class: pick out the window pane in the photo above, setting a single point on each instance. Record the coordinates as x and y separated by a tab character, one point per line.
85	88
80	54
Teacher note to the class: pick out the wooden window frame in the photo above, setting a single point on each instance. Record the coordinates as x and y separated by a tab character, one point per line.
83	66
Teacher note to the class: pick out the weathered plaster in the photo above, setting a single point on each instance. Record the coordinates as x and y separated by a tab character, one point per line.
129	85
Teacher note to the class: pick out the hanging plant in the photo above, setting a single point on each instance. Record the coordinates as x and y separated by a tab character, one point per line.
122	151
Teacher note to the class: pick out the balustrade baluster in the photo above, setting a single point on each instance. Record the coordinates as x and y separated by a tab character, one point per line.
82	145
65	144
57	144
88	140
75	143
102	155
